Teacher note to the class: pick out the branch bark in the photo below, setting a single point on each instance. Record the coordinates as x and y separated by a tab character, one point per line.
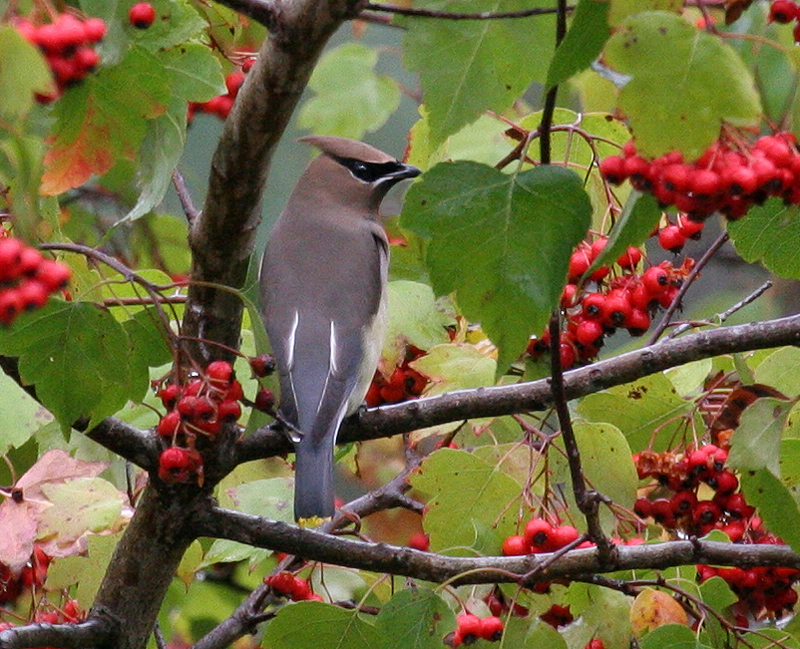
497	401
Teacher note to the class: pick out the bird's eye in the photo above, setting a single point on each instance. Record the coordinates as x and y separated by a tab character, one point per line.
359	167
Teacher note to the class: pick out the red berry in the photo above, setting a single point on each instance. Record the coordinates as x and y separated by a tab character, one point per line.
676	177
616	309
169	395
516	546
33	294
229	410
704	183
688	228
219	372
142	15
94	29
592	305
491	629
671	239
537	533
10	257
613	169
563	535
629	258
300	590
643	508
10	305
469	625
579	263
247	64
52	274
567	354
174	465
782	11
588	332
282	582
233	82
265	400
419	541
655	280
262	365
169	424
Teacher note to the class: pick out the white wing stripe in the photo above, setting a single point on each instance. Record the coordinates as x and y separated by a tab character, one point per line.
290	343
334	352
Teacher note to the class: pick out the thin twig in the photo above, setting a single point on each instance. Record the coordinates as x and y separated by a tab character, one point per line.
184	196
720	241
447	15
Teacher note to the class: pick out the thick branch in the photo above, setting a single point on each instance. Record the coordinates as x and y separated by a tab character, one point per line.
497	401
92	633
222	237
427	566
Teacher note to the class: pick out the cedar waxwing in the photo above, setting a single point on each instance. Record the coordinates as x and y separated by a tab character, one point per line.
323	290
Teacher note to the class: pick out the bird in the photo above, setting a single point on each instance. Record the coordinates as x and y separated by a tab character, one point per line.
323	299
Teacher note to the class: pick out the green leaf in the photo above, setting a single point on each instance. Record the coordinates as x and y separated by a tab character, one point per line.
23	72
621	9
314	624
583	43
86	571
176	22
195	74
770	234
79	506
671	636
20	413
415	617
497	240
455	366
633	227
350	98
774	503
161	150
603	613
469	66
103	119
601	446
640	408
690	378
684	83
756	443
465	494
413	319
717	594
781	370
76	355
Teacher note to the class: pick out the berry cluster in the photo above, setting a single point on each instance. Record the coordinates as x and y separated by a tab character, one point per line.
678	507
26	278
68	45
31	576
627	300
471	627
404	382
419	541
69	613
784	12
221	104
297	589
729	177
199	408
142	15
540	536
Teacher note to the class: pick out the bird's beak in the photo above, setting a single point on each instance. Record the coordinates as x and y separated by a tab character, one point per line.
404	171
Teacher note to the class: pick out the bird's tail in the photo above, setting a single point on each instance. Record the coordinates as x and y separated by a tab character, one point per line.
313	482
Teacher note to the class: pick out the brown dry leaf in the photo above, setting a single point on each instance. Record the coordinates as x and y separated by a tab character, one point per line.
654	608
20	515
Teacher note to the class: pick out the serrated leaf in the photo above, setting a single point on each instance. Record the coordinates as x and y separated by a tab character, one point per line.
469	66
79	507
640	408
161	150
652	609
683	84
604	614
20	413
314	624
86	571
690	378
583	43
674	636
601	446
103	119
633	227
171	233
781	370
195	74
465	493
455	366
177	21
413	319
756	443
350	97
717	593
774	503
770	234
23	73
60	346
415	617
517	233
621	9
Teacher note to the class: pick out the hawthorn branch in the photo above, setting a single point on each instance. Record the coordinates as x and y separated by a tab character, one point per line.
91	633
427	566
498	401
265	12
450	15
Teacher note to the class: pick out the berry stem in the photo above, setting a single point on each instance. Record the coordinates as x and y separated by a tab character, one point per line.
720	241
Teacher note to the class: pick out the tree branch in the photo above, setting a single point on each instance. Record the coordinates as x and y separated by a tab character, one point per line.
450	15
497	401
91	633
382	557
